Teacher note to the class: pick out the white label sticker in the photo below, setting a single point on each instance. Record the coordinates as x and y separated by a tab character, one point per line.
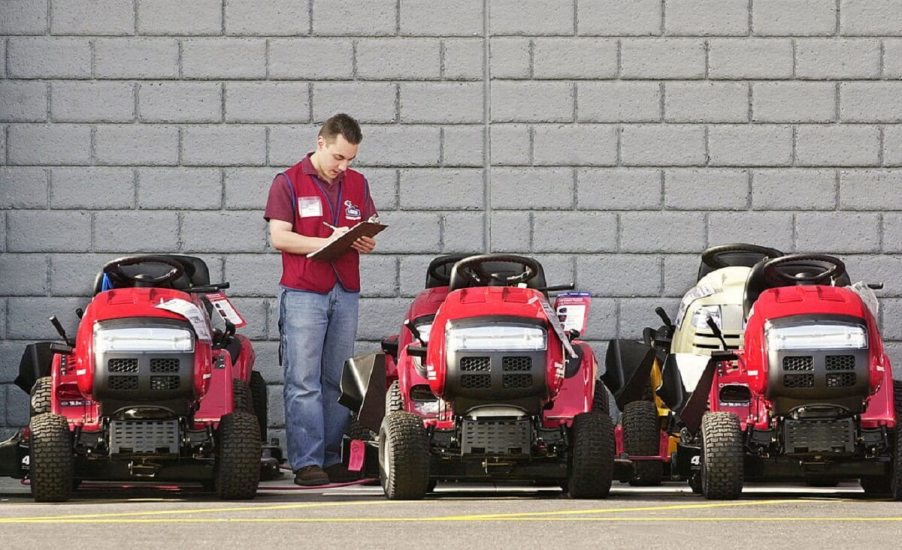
225	309
310	207
195	315
558	328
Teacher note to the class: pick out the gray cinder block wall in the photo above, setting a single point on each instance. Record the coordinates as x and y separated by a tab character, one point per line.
613	139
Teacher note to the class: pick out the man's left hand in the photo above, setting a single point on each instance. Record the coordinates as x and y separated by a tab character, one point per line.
364	245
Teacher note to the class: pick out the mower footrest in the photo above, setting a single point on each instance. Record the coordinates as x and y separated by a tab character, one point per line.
496	437
144	436
828	435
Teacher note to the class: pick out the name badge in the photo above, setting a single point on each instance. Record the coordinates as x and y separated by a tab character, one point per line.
310	207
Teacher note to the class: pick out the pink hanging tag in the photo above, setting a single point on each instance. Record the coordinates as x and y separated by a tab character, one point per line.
358	452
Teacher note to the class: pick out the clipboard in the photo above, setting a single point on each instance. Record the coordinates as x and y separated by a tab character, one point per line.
341	245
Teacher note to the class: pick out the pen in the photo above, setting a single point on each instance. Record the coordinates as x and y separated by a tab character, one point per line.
330	226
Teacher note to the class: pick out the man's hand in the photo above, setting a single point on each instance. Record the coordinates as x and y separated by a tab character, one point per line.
364	245
337	232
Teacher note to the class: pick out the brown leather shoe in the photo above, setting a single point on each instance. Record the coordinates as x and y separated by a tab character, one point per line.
311	476
338	473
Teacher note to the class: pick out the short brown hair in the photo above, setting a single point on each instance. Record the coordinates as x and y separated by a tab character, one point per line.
341	124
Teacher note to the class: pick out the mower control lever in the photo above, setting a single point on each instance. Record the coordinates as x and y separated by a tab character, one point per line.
205	289
416	351
555	288
875	286
717	332
60	330
56	347
413	330
664	317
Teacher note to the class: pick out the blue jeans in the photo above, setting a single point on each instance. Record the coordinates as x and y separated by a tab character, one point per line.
318	333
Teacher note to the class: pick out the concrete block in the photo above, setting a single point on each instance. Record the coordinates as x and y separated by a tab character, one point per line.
378	276
662	145
74	274
510	144
838	232
410	232
92	17
442	102
267	363
532	101
706	189
23	17
286	102
463	145
574	58
29	317
179	188
892	232
706	102
463	58
892	145
23	101
706	17
510	57
793	102
511	231
870	190
92	188
602	323
365	101
662	232
662	58
136	58
247	188
442	189
180	102
23	188
204	231
636	314
286	145
256	312
123	232
49	144
575	145
574	232
680	273
618	101
773	229
253	274
379	317
174	17
311	59
618	189
383	186
870	17
271	18
891	311
870	101
747	58
517	188
391	146
48	231
892	58
399	59
830	58
837	145
48	57
793	189
349	17
619	17
137	144
531	17
23	274
463	232
224	145
620	274
451	18
745	145
412	271
221	58
92	101
798	18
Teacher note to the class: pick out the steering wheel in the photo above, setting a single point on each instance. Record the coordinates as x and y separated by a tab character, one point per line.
805	269
716	256
438	263
473	269
114	270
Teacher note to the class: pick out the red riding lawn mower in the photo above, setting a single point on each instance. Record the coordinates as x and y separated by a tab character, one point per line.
149	390
490	387
810	396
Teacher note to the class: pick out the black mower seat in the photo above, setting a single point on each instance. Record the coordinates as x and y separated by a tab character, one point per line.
734	255
439	271
195	270
501	265
758	283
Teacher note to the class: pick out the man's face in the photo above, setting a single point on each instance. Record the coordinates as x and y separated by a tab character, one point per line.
335	157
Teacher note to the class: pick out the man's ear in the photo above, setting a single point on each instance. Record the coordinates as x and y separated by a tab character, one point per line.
320	142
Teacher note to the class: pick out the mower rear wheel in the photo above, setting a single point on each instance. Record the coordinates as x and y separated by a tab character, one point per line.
592	455
237	471
393	401
41	394
52	464
241	396
890	484
722	456
403	456
260	401
642	437
601	401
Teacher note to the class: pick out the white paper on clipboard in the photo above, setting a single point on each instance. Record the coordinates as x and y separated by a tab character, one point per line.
194	314
225	309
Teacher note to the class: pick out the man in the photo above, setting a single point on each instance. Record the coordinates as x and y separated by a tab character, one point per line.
309	205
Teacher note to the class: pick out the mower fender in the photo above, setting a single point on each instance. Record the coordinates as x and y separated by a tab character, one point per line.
35	363
363	388
697	404
627	369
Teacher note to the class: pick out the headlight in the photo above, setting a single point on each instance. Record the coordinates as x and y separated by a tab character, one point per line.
821	337
142	339
700	317
497	337
424	329
696	292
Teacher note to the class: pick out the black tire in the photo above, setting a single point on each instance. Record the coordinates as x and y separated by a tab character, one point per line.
591	456
41	394
52	465
260	402
642	437
403	456
890	484
241	396
722	456
601	401
237	470
393	400
356	430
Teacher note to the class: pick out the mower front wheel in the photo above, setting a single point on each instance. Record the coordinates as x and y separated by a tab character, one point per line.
403	456
52	466
642	437
237	470
722	456
592	455
393	401
41	394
